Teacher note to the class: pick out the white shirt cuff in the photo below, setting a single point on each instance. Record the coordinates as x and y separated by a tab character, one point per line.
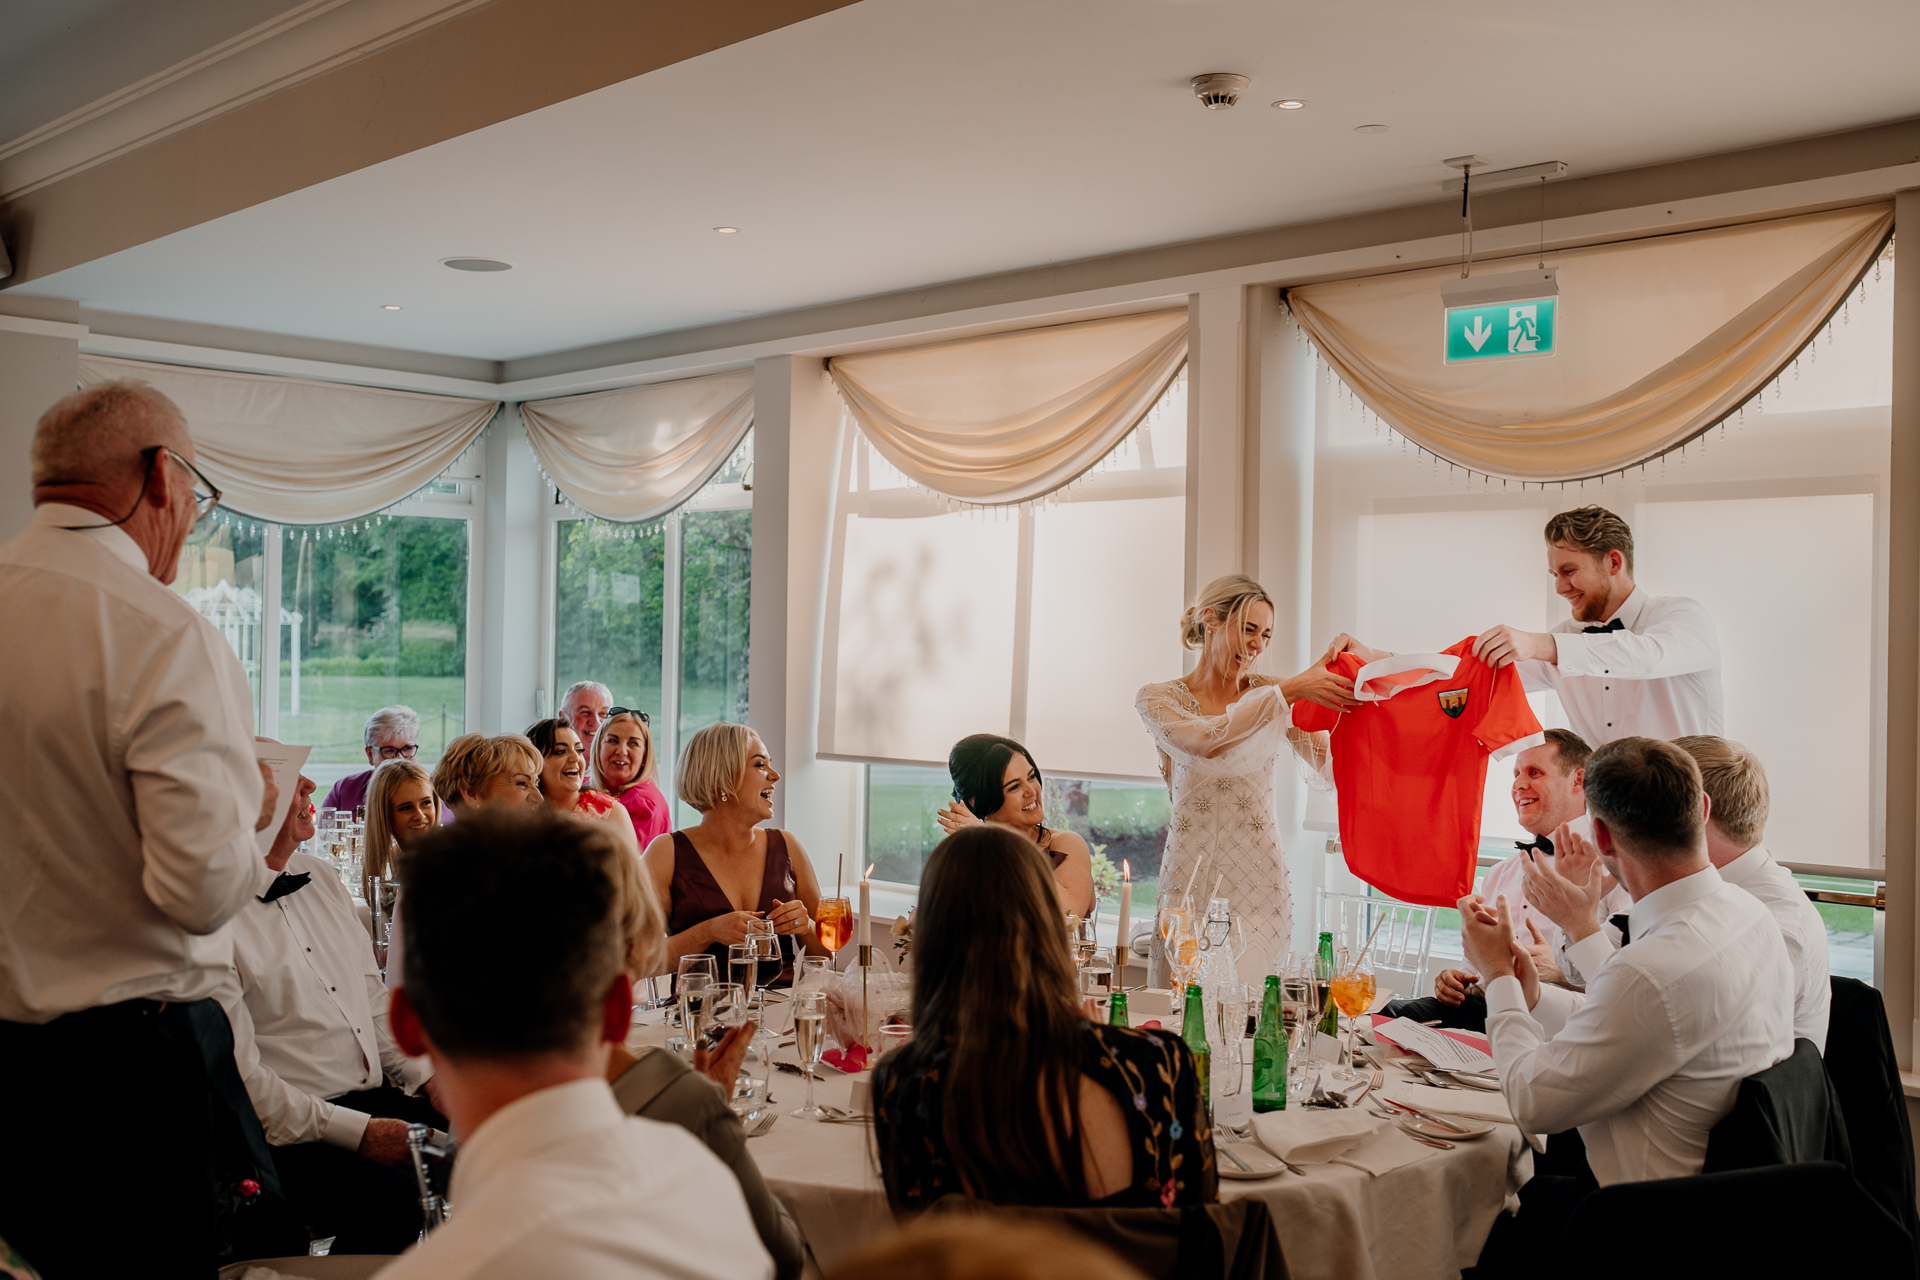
1506	995
344	1127
1593	951
1573	652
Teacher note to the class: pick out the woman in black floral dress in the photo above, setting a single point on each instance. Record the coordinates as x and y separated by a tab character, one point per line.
1004	1074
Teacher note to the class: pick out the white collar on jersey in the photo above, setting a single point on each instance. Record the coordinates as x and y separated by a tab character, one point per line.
1438	666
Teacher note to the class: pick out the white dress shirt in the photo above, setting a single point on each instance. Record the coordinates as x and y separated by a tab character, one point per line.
1650	1058
127	778
1658	678
561	1183
309	1012
1509	877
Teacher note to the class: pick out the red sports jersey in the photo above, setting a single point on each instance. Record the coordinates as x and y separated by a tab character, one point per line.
1410	765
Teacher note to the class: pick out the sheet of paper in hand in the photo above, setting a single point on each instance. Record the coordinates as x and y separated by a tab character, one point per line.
1441	1050
285	761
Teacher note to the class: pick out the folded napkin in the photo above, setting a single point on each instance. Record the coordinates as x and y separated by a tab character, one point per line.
1480	1104
1386	1151
853	1060
1314	1137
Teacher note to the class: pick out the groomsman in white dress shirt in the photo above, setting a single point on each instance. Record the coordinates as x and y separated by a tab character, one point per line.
1650	1057
1736	787
515	984
131	796
310	1036
1626	663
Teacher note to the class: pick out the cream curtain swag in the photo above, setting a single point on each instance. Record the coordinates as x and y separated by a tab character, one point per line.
1658	339
301	452
1008	417
639	452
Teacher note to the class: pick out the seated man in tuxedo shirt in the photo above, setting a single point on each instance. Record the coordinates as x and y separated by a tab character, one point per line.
1737	801
1651	1056
1548	793
553	1179
333	1091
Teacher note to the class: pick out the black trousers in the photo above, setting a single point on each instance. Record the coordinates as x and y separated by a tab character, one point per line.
1469	1015
366	1206
129	1139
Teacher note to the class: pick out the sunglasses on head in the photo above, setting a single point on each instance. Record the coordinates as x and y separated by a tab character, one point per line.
630	711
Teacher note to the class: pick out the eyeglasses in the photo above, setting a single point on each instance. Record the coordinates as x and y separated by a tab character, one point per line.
399	753
206	494
629	711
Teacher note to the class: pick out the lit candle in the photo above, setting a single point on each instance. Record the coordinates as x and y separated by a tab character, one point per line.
1126	920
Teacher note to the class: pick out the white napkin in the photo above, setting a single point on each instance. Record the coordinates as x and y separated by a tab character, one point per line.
1480	1104
1300	1136
1386	1151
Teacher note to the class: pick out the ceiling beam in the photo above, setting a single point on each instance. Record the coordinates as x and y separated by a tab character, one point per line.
501	61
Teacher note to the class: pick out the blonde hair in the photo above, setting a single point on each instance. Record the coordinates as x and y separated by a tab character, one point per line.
1735	781
1228	596
711	764
648	764
472	760
383	847
642	922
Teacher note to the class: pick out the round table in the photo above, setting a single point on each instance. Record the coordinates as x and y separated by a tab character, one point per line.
1422	1221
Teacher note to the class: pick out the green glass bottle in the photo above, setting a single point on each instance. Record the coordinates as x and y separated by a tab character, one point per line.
1323	973
1193	1029
1270	1051
1117	1013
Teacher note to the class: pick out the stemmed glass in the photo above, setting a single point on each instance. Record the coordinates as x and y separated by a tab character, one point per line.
833	922
1352	989
1180	945
743	963
696	1005
1232	1000
810	1034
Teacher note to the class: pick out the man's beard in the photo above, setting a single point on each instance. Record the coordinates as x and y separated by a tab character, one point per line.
1594	607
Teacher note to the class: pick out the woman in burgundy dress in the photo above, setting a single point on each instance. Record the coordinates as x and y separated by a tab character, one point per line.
727	870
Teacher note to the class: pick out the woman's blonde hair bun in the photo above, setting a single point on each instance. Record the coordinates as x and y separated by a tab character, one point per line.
1228	596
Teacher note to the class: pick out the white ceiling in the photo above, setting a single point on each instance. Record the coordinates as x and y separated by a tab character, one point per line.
905	142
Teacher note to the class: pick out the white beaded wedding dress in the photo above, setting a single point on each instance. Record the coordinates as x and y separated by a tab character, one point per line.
1220	771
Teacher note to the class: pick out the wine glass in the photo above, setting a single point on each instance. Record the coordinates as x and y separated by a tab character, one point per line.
697	963
1232	999
812	974
696	1005
810	1036
1296	991
1096	987
1352	990
1181	945
833	922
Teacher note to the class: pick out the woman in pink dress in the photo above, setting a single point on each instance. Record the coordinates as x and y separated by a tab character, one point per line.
623	768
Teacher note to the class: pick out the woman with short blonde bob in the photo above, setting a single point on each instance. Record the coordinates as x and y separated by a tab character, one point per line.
726	870
1219	730
476	770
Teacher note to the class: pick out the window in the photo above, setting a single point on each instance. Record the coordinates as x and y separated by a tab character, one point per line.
357	616
947	623
658	612
1120	821
1777	523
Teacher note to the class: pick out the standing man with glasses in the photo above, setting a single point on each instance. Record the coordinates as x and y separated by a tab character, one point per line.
132	795
393	733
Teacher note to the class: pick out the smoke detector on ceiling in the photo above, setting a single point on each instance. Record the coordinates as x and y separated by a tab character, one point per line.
1219	90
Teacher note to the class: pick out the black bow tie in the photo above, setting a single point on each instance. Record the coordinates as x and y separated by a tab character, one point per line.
1541	844
286	883
1615	625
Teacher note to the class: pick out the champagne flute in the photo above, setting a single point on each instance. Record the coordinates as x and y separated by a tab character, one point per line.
700	962
812	974
810	1034
743	964
1232	1000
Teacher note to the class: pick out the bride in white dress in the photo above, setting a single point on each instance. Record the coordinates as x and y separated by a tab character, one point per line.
1220	731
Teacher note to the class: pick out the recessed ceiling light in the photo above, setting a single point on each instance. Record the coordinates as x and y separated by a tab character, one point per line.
728	231
476	264
391	306
1290	104
1370	128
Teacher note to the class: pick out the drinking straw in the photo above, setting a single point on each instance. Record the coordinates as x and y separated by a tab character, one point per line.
1187	897
1363	950
840	873
1218	881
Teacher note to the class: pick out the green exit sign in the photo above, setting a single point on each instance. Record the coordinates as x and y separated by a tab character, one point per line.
1513	330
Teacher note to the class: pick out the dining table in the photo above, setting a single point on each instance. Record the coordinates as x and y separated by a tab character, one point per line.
1424	1220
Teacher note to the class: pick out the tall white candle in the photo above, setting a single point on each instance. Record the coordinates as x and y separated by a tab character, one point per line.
1121	949
865	940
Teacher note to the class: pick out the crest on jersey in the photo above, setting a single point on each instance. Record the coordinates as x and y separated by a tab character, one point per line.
1453	701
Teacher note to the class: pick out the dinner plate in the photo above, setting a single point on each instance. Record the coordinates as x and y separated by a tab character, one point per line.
1422	1127
1472	1079
1260	1162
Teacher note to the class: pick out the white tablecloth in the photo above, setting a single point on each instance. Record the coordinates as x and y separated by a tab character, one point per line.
1423	1221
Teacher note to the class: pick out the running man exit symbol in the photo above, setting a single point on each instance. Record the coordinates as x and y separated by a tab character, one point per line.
1516	330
